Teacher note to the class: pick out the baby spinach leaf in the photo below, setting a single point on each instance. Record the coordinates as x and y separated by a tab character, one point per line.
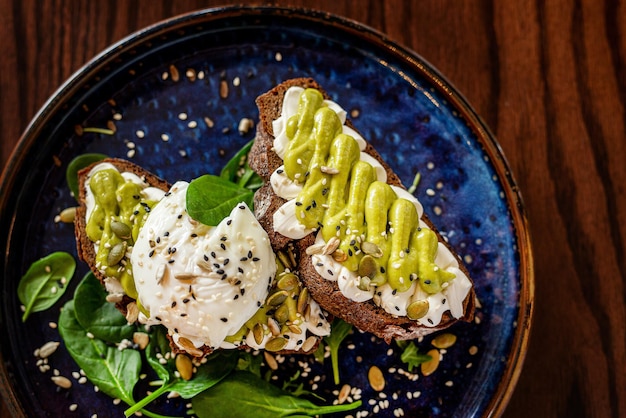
114	371
339	331
77	164
217	366
238	171
45	282
211	198
243	394
98	316
410	354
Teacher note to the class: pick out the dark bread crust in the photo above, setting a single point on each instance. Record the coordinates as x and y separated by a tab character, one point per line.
365	316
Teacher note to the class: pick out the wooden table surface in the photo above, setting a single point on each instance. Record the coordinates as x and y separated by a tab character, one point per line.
549	79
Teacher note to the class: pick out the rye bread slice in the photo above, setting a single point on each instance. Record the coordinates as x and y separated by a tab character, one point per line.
87	254
365	316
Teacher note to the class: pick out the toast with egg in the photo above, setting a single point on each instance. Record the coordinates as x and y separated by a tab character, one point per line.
366	315
141	272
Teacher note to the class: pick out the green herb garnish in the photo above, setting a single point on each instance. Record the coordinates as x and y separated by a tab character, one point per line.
339	331
45	282
244	394
210	198
239	172
410	354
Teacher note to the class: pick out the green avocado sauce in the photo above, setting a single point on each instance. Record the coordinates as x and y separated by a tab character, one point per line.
380	236
118	214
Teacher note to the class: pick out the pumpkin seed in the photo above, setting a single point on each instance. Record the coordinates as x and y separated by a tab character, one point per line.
364	283
282	314
376	378
184	366
429	367
276	344
367	266
417	309
68	215
445	340
288	281
284	259
258	333
372	249
277	298
303	300
117	253
294	328
120	229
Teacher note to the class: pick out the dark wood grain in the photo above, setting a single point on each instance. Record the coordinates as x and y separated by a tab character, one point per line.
549	78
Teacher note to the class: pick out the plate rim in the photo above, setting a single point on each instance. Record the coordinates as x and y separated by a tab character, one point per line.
513	197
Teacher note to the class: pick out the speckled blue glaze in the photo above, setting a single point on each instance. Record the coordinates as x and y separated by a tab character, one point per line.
398	108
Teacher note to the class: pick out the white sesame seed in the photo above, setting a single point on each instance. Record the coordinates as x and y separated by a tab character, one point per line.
73	407
182	116
430	192
236	81
117	116
130	153
165	137
437	210
140	134
193	124
278	57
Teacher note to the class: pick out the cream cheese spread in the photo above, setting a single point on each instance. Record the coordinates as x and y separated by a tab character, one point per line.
395	303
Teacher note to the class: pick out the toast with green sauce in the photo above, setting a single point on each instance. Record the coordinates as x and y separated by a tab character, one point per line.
366	251
109	237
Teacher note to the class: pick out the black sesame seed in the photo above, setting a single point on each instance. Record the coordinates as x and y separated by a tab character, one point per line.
183	315
382	269
279	171
240	270
206	257
194	235
213	254
220	271
427	281
173	304
319	264
242	207
249	254
430	321
324	191
443	302
224	276
258	303
330	272
308	208
238	282
236	297
242	291
397	309
298	203
314	204
224	238
338	227
243	259
352	242
158	318
223	246
394	292
319	324
186	300
166	234
171	261
176	330
158	240
226	261
136	213
349	252
151	253
224	319
228	222
300	342
255	259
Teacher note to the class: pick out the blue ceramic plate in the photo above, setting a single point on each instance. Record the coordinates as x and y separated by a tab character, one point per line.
160	90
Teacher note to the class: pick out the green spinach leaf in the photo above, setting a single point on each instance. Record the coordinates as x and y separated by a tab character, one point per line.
410	354
211	198
114	371
217	366
339	331
244	394
77	164
45	282
238	171
98	316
